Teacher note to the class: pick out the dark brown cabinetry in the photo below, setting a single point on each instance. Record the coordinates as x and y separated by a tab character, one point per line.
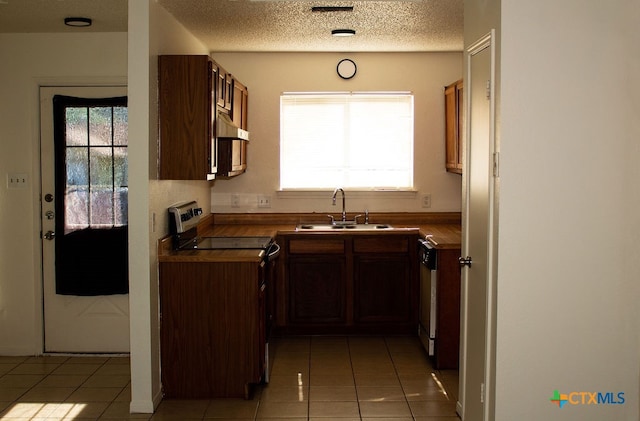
317	282
382	280
350	284
239	112
213	327
222	95
192	90
186	85
232	153
454	126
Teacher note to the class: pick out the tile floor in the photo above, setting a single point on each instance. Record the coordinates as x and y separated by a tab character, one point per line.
312	378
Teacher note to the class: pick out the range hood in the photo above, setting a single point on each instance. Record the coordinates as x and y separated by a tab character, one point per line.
226	129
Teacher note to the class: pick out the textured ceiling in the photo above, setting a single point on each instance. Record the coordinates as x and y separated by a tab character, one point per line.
267	25
244	25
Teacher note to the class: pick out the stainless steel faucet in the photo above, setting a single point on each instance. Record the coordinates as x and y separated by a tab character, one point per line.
344	212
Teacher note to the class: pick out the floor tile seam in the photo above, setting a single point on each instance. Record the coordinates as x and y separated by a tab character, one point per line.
308	380
404	393
67	362
76	388
353	375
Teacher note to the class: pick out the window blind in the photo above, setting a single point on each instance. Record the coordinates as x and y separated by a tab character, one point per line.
352	140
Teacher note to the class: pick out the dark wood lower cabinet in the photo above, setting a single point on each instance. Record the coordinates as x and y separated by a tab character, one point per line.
212	328
381	290
317	290
342	284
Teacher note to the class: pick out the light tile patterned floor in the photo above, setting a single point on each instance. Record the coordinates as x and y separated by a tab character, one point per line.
312	378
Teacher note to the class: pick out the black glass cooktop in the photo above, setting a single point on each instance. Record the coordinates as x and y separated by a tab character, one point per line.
217	243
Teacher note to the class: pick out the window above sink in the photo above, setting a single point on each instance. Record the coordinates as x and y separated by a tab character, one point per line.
354	140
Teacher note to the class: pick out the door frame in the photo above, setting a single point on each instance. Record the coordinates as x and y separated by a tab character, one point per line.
38	83
486	41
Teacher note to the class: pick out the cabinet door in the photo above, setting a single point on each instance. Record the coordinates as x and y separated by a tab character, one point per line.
232	157
240	105
453	126
236	109
185	115
228	91
382	288
221	87
317	290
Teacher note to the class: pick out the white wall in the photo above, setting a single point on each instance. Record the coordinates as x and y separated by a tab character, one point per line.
267	75
569	256
152	31
30	60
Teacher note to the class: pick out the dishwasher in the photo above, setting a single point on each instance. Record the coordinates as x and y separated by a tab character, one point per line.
427	328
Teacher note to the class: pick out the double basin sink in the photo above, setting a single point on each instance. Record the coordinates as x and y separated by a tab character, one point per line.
343	227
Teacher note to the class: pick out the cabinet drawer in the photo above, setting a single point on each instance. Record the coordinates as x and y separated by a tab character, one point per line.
381	244
316	246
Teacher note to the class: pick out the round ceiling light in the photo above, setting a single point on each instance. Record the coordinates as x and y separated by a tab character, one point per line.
77	22
343	32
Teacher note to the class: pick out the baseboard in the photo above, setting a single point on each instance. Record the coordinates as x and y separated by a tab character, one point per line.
146	407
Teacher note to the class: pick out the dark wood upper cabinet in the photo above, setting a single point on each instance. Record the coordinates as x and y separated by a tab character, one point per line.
221	93
232	153
454	126
186	112
193	89
240	101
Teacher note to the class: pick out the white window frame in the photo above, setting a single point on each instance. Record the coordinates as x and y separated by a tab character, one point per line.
319	152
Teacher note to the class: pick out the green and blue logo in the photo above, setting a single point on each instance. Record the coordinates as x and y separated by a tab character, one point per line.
587	398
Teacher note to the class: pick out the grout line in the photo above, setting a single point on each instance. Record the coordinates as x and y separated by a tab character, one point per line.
404	393
353	376
309	380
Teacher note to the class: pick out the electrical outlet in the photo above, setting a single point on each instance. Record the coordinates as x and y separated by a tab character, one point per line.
264	201
235	200
17	180
426	201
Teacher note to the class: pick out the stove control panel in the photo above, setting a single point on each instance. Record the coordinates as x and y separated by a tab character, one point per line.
183	217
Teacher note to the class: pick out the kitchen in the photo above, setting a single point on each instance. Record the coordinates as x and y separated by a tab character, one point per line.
28	52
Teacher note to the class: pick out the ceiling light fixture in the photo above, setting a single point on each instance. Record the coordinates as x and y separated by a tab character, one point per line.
343	32
77	22
332	9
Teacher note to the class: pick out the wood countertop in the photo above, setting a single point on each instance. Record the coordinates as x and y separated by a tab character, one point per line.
444	229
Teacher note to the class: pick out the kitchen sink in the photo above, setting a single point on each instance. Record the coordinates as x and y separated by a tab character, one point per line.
343	227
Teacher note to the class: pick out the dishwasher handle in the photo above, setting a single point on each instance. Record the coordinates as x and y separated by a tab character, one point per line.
272	252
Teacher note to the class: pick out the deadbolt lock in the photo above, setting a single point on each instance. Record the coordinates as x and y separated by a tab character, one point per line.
465	261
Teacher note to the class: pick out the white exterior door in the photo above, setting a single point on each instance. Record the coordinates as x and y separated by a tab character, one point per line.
83	323
477	313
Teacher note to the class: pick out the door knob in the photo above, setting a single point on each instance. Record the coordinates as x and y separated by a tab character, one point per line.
465	261
49	235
